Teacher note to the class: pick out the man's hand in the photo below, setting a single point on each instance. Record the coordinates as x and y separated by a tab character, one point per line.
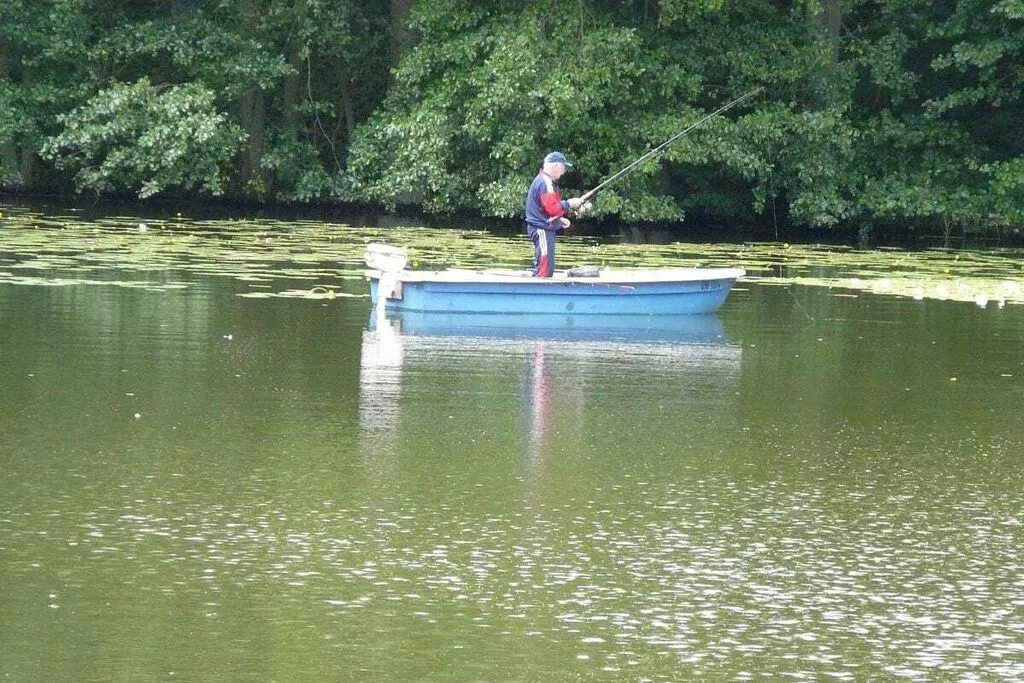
575	203
565	223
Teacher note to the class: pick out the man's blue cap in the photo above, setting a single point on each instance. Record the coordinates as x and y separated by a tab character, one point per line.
556	158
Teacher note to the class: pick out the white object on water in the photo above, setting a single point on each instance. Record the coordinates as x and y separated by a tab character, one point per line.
386	289
385	258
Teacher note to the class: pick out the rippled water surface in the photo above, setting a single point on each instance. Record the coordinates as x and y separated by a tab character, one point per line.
203	484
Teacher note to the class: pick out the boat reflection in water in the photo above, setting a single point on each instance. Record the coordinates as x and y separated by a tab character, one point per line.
413	361
624	329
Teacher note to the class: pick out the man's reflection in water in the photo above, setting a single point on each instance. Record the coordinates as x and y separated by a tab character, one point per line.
537	404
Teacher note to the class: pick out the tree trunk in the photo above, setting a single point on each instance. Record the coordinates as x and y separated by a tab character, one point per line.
291	93
27	167
8	162
346	111
651	11
27	156
830	20
8	152
253	116
401	37
295	82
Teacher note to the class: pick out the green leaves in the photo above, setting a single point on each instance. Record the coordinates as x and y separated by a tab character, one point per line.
1008	190
145	140
470	115
902	111
473	109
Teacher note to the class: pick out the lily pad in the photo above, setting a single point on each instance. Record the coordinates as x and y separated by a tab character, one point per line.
65	250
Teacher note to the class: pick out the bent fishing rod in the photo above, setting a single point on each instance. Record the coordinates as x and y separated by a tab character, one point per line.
589	195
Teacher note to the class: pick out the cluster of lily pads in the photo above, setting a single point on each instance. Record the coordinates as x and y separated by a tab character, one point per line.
320	259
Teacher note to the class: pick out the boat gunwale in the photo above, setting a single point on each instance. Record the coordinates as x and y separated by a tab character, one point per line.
652	276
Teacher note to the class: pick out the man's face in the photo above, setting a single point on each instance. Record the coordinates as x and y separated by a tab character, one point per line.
557	170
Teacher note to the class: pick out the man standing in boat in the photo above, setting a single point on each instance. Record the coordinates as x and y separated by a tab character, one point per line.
546	212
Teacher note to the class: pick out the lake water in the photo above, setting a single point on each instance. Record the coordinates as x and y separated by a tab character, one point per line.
200	482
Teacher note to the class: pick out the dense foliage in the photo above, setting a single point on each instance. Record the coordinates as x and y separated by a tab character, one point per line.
897	113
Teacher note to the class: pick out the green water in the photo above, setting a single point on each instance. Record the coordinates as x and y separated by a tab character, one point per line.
202	484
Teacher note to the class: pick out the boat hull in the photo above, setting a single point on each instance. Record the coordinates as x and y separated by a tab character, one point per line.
648	292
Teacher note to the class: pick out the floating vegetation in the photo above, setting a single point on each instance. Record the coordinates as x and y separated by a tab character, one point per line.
63	250
69	282
315	293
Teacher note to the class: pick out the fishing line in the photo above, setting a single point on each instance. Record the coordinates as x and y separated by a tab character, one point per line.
798	304
588	195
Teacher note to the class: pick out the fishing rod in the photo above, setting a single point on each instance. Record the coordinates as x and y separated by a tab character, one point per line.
587	196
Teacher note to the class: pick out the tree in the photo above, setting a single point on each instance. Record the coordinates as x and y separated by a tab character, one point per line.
517	82
45	70
339	75
905	111
938	110
147	140
296	76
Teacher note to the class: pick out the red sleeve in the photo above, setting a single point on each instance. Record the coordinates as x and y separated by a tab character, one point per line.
552	203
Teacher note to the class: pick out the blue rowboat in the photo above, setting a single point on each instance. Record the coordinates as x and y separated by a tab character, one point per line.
660	291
